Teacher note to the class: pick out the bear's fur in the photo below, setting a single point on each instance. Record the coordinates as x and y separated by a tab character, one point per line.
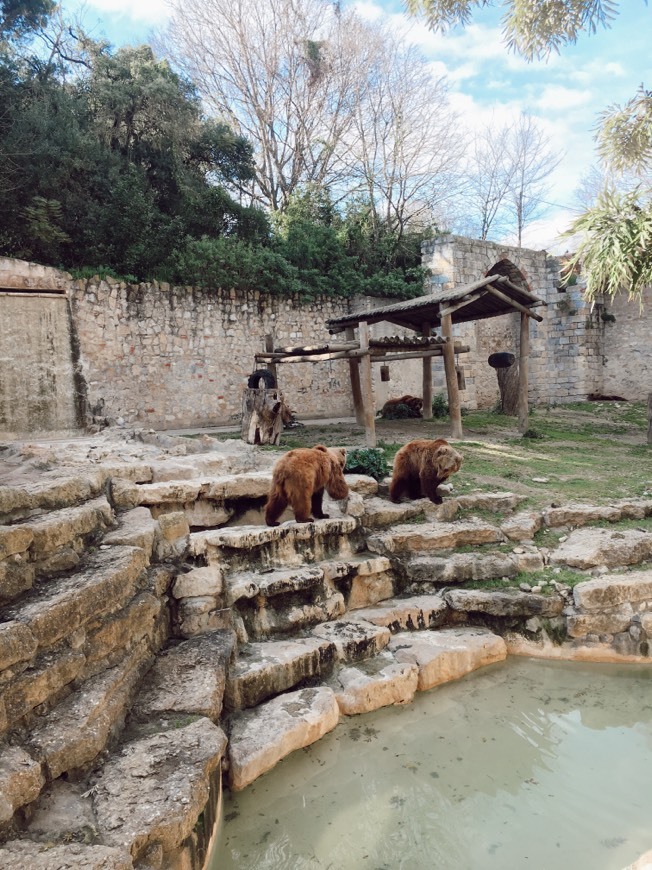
414	403
299	479
420	466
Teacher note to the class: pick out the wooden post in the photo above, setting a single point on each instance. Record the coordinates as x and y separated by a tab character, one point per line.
354	372
523	359
649	418
427	377
454	409
269	347
368	407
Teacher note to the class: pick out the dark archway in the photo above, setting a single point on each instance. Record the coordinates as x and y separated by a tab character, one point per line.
507	269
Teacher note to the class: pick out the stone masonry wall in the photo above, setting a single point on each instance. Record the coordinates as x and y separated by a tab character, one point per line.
174	357
565	347
627	361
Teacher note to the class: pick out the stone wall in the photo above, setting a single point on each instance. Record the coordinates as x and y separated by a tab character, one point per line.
174	357
627	359
37	377
565	349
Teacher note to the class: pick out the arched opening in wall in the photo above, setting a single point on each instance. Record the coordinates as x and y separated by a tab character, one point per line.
504	346
509	270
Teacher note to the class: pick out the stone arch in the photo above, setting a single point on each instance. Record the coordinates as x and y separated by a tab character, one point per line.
509	270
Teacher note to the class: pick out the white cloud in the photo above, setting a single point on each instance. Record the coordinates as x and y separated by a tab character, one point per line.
559	98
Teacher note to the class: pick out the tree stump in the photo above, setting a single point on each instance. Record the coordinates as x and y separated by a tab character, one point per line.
507	372
262	416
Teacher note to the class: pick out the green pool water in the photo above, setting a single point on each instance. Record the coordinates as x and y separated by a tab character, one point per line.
524	764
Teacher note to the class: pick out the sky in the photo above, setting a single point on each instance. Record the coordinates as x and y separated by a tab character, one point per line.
488	84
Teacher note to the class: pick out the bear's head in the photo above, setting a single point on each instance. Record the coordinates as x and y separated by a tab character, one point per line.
336	486
446	460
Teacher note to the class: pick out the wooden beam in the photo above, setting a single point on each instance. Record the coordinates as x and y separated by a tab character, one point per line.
503	296
418	354
354	373
523	360
506	281
451	309
368	408
454	408
426	382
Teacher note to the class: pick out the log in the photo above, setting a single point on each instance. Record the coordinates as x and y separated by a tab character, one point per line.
454	407
523	363
368	408
354	373
262	416
426	377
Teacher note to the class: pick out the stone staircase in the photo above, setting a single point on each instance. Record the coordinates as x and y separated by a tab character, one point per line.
141	623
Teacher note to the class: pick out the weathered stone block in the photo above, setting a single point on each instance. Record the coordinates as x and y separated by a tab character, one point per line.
14	539
369	589
504	602
136	528
59	528
612	621
21	781
49	675
155	788
72	856
198	582
188	678
122	632
613	548
612	590
447	654
15	577
17	644
374	683
406	614
260	738
434	536
353	640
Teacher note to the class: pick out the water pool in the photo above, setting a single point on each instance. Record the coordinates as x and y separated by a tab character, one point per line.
524	764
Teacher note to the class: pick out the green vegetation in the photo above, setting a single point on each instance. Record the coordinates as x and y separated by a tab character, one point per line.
367	460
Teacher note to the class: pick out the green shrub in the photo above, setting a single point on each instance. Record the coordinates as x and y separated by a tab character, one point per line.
439	406
367	460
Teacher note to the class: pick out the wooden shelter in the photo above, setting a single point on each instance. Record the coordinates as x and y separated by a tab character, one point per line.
491	296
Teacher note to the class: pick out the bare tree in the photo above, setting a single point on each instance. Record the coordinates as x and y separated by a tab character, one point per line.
284	73
407	144
533	162
489	178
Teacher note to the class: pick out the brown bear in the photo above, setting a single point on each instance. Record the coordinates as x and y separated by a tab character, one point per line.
299	479
420	466
414	403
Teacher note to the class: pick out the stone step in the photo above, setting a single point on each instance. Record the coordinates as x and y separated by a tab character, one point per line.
189	678
248	486
353	641
35	856
260	738
465	567
136	528
288	545
54	610
272	582
504	602
272	618
610	548
447	654
150	793
78	729
380	512
266	669
62	491
417	613
423	537
581	514
374	683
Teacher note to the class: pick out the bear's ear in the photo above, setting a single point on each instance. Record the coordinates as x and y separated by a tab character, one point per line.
339	455
321	447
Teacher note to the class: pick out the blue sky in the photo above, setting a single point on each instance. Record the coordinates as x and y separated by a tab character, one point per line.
488	83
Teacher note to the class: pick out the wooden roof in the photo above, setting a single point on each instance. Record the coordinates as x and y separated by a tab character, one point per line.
487	297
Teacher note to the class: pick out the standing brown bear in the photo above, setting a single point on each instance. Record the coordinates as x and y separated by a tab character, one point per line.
299	479
420	466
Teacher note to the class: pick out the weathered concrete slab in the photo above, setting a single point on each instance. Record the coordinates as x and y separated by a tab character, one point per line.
374	683
422	537
260	738
268	668
154	789
504	602
188	678
21	781
447	654
406	614
353	640
613	548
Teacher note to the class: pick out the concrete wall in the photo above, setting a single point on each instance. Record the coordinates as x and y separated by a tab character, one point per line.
37	379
